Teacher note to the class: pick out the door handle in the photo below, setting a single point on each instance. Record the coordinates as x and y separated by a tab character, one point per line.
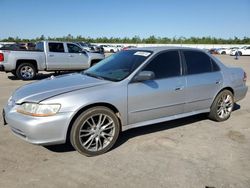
71	56
179	88
218	82
51	55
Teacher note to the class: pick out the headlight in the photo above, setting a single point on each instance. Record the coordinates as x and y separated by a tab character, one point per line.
39	110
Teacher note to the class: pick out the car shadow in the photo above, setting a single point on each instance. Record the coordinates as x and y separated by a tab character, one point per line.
61	148
154	128
140	131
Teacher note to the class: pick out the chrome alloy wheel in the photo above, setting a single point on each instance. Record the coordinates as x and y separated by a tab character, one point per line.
97	132
225	106
27	72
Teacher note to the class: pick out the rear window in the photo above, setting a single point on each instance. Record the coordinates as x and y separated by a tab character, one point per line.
39	46
56	47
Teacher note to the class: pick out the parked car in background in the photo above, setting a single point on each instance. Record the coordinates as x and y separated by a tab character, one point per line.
241	51
224	51
19	46
27	45
10	47
109	48
213	51
128	47
119	47
90	47
48	56
129	89
96	49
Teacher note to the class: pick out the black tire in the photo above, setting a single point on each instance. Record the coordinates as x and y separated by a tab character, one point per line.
94	62
223	52
239	53
87	144
112	51
26	71
221	110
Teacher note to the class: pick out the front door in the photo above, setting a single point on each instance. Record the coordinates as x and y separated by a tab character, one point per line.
161	97
77	59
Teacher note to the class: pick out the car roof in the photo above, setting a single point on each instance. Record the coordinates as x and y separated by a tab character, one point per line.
163	48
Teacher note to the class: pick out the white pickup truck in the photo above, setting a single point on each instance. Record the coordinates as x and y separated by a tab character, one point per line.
47	56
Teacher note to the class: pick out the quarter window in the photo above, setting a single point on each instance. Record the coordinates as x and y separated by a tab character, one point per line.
165	65
56	47
197	62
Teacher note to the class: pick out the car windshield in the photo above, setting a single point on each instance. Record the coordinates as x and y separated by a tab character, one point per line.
118	66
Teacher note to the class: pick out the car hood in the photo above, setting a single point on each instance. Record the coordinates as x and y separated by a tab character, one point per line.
53	86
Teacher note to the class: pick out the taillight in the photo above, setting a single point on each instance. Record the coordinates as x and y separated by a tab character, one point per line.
245	77
1	57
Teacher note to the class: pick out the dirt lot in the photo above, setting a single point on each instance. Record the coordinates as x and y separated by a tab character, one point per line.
191	152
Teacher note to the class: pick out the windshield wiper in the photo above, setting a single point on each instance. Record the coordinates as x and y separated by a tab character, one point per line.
93	75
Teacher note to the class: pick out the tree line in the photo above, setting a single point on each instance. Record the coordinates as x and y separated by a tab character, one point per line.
136	40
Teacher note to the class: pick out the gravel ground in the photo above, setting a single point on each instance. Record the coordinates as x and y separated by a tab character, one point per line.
190	152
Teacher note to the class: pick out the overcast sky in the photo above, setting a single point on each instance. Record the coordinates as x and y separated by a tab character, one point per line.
125	18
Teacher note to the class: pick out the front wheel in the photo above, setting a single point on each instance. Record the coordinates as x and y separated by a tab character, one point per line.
95	131
222	106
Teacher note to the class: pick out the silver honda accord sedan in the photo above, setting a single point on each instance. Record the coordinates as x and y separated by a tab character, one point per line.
129	89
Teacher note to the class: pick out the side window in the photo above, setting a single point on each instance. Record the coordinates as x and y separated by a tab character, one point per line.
73	48
197	62
165	65
56	47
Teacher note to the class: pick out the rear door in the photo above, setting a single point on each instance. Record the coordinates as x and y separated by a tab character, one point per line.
204	80
77	59
162	97
56	56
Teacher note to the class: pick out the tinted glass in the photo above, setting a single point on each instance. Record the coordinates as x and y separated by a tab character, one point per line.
39	46
165	65
73	48
56	47
118	66
215	66
197	62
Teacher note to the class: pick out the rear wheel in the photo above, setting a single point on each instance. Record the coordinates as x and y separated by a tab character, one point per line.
222	106
223	53
95	131
26	71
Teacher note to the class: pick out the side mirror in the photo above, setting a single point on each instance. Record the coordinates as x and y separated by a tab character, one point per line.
83	52
143	76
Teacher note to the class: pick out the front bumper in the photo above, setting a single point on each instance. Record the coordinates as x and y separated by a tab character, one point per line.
2	68
38	130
